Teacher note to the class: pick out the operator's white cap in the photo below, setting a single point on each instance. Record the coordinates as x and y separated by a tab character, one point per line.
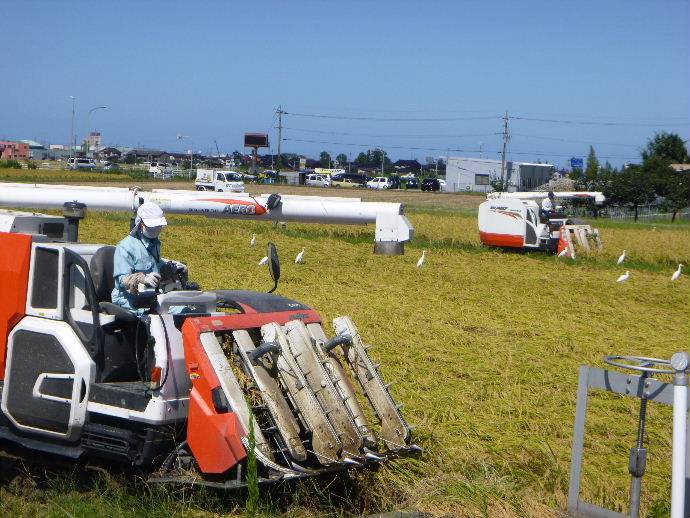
151	214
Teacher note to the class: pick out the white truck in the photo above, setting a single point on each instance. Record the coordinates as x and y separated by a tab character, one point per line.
219	181
161	170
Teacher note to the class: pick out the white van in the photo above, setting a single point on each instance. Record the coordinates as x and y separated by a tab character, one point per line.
318	180
81	163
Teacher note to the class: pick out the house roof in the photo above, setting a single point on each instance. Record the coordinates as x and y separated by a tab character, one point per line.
681	168
33	144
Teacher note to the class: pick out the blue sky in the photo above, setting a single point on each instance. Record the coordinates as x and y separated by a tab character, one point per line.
212	70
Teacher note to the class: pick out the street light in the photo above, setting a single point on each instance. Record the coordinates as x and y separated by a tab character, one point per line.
88	124
72	138
191	151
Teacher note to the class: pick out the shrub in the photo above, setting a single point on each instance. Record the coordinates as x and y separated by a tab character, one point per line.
10	164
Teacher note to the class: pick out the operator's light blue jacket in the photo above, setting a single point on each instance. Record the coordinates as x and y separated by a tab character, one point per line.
135	253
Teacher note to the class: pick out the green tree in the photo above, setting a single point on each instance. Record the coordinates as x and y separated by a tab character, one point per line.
362	158
673	186
325	159
341	159
592	167
668	146
632	186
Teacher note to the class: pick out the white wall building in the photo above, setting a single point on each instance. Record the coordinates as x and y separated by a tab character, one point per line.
476	174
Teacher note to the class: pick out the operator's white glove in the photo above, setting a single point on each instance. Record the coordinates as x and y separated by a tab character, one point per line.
152	279
176	267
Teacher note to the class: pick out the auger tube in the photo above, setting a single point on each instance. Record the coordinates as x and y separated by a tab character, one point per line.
393	229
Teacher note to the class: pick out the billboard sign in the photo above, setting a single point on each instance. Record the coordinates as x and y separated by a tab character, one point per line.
576	163
256	140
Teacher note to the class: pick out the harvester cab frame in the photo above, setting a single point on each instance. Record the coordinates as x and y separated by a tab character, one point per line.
174	394
513	220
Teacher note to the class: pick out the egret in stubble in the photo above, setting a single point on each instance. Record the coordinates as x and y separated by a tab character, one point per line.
253	240
422	259
676	274
300	257
263	261
624	277
621	258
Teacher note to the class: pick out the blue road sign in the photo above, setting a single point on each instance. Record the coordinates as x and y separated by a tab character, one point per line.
576	163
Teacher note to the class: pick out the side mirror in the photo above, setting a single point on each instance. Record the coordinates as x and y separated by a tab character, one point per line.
273	265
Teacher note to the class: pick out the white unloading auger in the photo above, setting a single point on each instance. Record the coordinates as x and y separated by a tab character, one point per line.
393	229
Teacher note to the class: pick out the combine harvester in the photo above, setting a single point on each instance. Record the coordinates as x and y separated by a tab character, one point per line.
176	395
512	220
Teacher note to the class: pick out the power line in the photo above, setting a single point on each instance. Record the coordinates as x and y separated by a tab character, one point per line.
461	150
601	123
589	142
378	146
390	119
487	117
392	135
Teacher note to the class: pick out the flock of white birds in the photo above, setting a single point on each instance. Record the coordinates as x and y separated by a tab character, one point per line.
626	275
264	260
422	260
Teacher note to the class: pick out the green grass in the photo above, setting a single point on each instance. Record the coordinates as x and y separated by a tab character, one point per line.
484	347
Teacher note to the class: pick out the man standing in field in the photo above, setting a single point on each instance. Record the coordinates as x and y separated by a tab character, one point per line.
138	261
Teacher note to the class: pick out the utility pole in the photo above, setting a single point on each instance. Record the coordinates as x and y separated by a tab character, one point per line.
481	150
506	138
383	159
280	112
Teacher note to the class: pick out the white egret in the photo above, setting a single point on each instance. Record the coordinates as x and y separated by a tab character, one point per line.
621	258
263	261
624	277
676	274
253	240
422	259
300	257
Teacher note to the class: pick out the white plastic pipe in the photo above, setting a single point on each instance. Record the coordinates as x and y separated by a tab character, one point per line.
599	197
680	363
680	406
391	226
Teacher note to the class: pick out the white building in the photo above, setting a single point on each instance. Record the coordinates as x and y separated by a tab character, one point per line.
476	174
92	143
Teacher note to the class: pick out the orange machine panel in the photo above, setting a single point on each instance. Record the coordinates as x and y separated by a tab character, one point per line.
15	257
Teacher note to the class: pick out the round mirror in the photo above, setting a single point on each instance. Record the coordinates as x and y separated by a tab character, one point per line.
273	264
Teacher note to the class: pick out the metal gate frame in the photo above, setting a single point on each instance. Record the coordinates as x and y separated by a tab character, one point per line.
630	385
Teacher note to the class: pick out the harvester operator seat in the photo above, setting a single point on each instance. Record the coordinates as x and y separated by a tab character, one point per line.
102	264
125	334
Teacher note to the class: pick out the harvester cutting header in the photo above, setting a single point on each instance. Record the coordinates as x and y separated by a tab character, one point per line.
532	221
191	385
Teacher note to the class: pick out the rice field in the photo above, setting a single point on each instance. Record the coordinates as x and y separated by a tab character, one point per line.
484	347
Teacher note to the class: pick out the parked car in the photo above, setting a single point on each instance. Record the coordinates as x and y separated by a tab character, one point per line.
380	182
353	177
431	184
318	180
412	183
81	163
345	182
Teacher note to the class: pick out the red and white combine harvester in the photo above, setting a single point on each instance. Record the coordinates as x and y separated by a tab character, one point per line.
514	220
174	394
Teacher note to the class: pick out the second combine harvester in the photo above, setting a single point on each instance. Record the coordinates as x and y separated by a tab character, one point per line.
513	220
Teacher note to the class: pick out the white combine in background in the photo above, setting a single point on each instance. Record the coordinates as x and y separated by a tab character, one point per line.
514	220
